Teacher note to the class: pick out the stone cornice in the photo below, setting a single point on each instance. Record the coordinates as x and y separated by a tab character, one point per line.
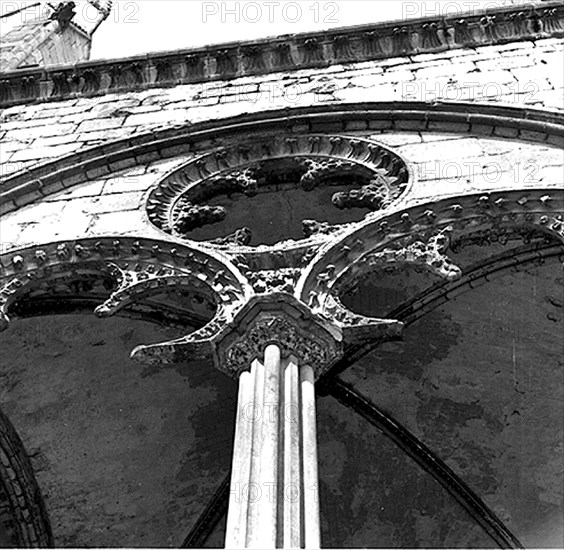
284	53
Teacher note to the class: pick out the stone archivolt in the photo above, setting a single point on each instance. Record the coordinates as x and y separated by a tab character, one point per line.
420	235
35	182
377	177
138	268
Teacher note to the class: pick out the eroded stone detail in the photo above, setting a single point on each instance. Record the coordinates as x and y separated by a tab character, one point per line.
241	237
421	234
428	253
374	196
177	204
7	294
291	339
189	216
235	341
138	267
313	227
280	319
279	280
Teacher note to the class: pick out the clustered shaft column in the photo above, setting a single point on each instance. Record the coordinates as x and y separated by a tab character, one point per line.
274	484
277	348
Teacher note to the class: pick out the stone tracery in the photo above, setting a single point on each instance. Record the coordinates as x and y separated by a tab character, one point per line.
289	274
377	176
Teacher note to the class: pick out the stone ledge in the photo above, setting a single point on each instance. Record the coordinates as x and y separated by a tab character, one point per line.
284	53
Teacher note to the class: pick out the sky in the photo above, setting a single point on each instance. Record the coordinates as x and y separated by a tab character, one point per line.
142	26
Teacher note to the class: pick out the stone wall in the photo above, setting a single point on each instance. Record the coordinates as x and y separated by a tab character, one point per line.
529	75
444	165
130	455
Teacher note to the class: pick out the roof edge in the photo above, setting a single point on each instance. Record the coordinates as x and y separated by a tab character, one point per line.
284	54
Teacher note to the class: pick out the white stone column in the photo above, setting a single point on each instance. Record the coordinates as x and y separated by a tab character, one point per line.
312	532
277	348
274	497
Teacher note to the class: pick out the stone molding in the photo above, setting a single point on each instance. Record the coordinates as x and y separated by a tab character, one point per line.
483	272
138	267
284	53
536	250
35	183
23	515
417	235
177	203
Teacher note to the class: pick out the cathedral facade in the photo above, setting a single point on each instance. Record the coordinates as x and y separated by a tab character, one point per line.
297	292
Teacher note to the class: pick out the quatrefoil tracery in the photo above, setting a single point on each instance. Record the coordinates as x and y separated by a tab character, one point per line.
365	175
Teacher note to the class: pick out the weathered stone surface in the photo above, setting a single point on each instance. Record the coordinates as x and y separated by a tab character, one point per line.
463	78
111	439
477	127
487	395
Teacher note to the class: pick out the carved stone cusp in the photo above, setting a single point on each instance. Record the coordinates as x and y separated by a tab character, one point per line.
313	227
189	216
241	237
357	328
428	253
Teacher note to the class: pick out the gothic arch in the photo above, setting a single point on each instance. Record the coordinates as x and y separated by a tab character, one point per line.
236	281
23	517
536	126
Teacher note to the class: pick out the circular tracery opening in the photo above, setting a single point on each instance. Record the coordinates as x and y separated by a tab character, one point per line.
276	189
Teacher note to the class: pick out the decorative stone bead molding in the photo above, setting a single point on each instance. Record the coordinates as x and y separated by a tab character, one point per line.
138	267
34	183
305	161
345	45
383	240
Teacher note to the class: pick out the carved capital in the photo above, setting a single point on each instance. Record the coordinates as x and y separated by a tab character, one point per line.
282	320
